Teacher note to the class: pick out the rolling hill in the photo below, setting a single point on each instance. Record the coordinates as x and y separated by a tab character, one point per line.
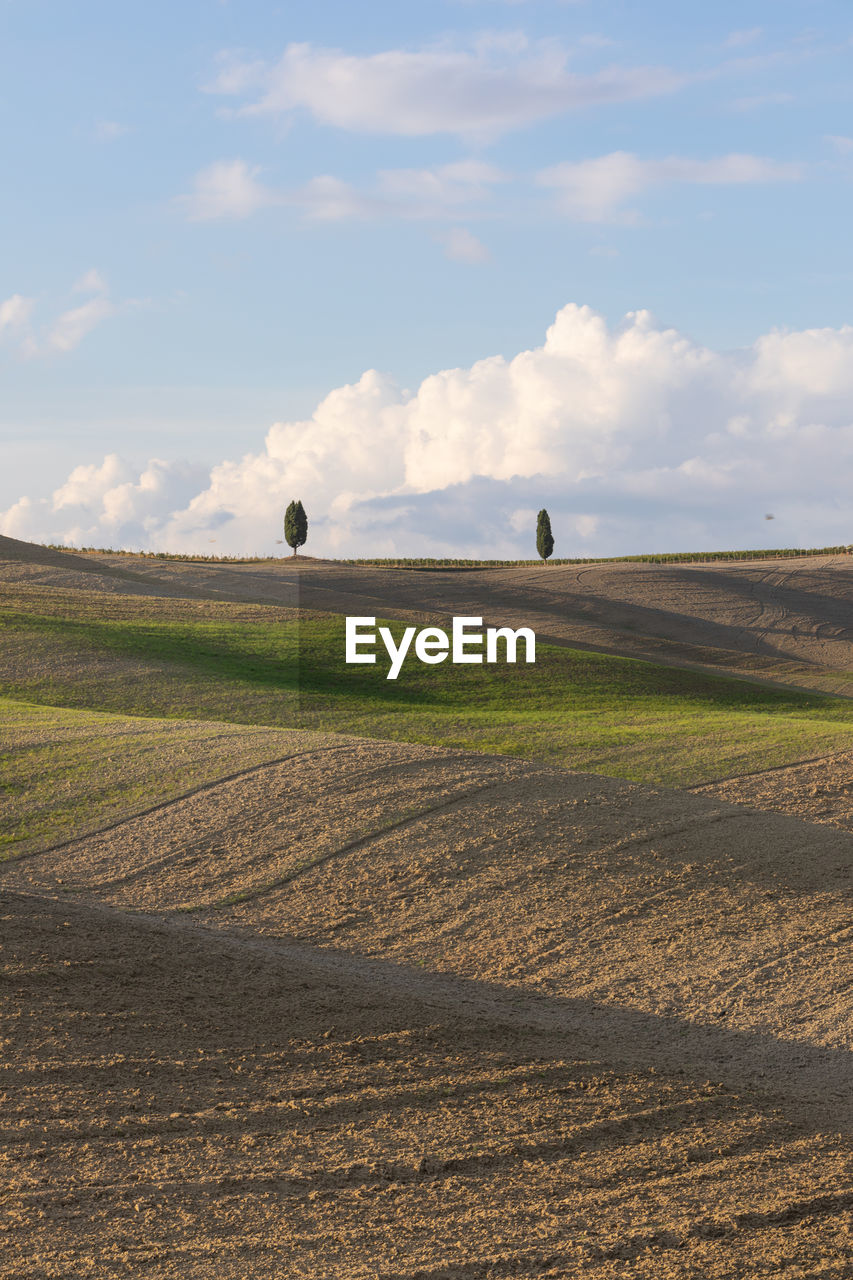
286	999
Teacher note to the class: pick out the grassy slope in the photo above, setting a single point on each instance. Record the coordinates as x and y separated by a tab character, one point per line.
68	772
256	665
586	711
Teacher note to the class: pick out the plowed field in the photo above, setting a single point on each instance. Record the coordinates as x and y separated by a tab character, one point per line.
280	1003
185	1105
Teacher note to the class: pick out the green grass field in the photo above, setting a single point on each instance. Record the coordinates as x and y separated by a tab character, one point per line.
585	711
253	665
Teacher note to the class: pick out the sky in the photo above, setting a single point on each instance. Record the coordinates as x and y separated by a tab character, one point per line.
427	267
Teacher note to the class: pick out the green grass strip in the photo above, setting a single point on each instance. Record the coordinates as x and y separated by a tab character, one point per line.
585	711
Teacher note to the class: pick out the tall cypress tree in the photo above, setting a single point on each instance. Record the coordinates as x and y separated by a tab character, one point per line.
295	526
544	537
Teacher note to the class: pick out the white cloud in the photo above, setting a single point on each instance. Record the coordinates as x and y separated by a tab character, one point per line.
15	313
481	92
91	282
401	193
73	325
812	363
589	190
229	189
110	504
723	170
593	190
89	485
330	199
68	329
461	245
461	182
635	438
226	189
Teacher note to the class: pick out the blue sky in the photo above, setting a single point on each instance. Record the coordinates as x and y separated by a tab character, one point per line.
217	213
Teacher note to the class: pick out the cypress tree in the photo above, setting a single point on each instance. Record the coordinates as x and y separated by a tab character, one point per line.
544	537
295	526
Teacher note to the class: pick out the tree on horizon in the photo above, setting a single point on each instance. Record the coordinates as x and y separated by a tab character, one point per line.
295	526
544	537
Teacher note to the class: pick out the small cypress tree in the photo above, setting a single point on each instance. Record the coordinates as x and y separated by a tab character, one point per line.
295	526
544	537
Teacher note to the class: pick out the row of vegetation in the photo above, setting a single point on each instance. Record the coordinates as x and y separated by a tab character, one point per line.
162	555
432	562
673	557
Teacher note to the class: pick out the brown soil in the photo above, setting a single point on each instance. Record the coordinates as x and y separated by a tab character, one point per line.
657	923
185	1105
818	790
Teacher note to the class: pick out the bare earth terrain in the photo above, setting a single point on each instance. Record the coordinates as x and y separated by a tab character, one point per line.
186	1105
818	790
383	1010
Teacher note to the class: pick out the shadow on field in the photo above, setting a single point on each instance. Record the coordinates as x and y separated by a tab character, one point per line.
241	993
435	593
818	1079
820	602
188	1103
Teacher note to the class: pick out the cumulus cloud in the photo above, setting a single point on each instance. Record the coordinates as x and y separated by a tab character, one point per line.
499	85
593	190
634	437
108	504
